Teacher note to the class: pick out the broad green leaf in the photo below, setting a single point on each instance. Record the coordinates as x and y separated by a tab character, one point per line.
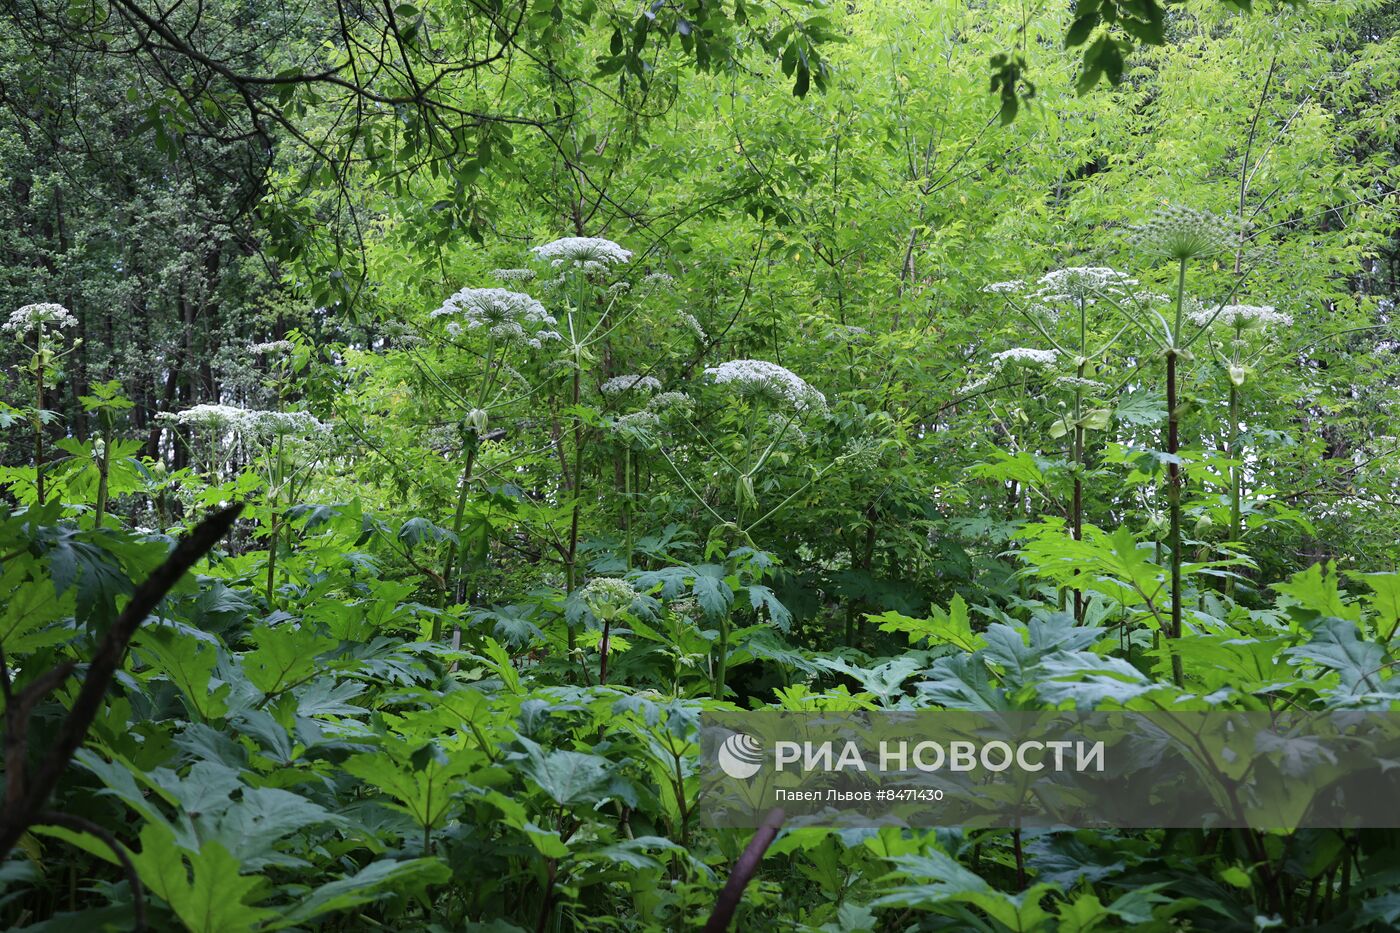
189	663
568	777
1317	589
376	880
953	627
286	656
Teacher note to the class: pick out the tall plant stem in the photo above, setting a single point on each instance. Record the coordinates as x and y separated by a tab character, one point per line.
1174	476
627	505
603	652
1174	494
274	528
1077	505
273	532
1232	450
571	562
454	546
722	649
39	424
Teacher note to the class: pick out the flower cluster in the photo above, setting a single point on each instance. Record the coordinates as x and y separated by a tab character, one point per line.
1081	283
607	597
271	348
627	383
38	317
246	422
669	401
1079	382
1024	356
1181	233
1241	317
589	253
862	453
508	317
1027	355
513	275
787	428
767	381
636	426
690	321
1004	288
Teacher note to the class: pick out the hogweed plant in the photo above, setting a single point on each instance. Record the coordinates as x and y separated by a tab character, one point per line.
609	600
40	327
777	400
632	437
1059	309
1177	236
105	402
579	269
497	328
1237	354
284	445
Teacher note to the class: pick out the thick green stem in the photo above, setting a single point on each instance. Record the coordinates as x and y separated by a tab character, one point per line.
39	425
1236	531
603	652
627	505
458	517
1174	473
273	532
571	562
1077	505
1174	509
722	648
275	489
721	658
1232	450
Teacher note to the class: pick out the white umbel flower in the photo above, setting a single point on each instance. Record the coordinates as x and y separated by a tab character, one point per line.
590	253
636	425
43	316
690	321
631	382
1081	283
1004	288
669	401
1026	355
246	422
507	316
761	379
513	275
1079	382
1241	317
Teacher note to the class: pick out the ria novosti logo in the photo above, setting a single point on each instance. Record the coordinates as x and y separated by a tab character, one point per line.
740	756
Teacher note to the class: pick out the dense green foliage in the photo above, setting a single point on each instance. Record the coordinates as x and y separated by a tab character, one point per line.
859	397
